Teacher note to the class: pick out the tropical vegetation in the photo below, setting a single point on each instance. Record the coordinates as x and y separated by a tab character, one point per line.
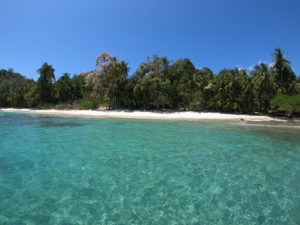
158	84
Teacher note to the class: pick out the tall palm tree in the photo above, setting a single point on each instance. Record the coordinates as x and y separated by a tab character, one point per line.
284	72
117	71
265	85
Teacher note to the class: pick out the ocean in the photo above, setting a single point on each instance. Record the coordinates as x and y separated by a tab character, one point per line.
74	171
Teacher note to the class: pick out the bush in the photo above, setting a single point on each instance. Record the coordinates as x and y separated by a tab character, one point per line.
87	104
289	104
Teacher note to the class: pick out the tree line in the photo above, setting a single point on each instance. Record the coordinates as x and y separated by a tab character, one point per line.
159	84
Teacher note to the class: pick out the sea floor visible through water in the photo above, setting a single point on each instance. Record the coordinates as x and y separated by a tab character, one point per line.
63	170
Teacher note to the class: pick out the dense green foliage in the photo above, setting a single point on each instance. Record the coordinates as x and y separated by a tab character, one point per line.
288	104
13	88
159	84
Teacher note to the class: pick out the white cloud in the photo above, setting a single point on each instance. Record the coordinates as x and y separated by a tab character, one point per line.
239	67
259	62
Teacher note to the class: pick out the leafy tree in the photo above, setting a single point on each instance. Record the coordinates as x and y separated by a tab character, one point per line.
182	83
13	88
265	86
159	65
294	87
151	92
283	71
32	97
103	60
63	89
201	78
106	81
230	89
117	72
79	89
151	83
45	83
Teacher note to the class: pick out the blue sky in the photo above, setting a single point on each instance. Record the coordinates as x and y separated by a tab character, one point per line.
69	34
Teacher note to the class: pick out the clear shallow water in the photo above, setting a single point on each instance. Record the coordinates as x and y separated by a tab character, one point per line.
57	170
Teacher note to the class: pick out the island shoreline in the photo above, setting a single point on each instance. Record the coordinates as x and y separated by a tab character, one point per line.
153	115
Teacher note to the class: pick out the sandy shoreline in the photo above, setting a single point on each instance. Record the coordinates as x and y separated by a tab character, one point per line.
170	115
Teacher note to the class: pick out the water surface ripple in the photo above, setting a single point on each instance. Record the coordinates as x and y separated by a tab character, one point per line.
56	170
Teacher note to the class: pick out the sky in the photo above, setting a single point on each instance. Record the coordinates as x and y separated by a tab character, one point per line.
69	34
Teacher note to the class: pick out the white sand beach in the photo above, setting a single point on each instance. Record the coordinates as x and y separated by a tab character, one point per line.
168	115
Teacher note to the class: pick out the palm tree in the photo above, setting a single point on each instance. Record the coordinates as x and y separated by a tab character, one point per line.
284	72
294	87
265	85
117	71
45	82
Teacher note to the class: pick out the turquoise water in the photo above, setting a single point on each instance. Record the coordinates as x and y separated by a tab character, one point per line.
56	170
